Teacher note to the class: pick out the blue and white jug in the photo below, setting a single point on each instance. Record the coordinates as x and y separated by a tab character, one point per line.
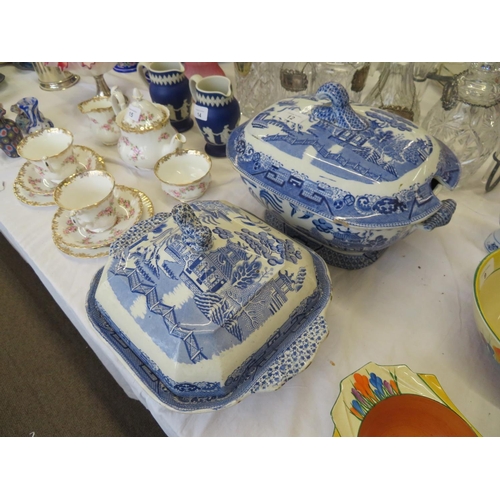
169	86
217	112
29	117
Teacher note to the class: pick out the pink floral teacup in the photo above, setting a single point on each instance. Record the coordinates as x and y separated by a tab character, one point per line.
90	199
51	152
184	174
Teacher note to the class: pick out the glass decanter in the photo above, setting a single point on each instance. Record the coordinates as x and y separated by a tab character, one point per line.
296	78
256	85
467	118
351	75
395	91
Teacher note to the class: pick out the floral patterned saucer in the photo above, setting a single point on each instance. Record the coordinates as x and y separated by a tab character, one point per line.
130	211
29	198
383	401
30	179
147	211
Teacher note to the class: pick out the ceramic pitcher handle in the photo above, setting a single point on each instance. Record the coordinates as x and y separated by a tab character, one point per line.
120	98
194	233
441	217
117	101
193	81
339	111
141	69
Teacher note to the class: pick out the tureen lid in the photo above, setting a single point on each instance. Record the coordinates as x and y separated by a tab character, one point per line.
142	115
352	163
208	295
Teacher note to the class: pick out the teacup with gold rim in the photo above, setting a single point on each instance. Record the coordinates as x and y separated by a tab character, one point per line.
184	174
51	151
90	199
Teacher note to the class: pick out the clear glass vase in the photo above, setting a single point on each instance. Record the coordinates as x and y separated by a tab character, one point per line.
395	91
467	118
256	85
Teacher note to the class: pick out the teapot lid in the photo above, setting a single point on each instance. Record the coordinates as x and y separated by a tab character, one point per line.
142	115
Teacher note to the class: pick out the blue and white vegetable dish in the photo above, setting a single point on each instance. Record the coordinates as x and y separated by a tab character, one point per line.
209	304
347	180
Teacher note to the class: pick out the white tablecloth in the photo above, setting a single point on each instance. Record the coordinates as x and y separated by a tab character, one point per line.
413	306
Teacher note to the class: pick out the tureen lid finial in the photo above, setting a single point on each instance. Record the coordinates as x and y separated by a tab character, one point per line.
194	234
338	111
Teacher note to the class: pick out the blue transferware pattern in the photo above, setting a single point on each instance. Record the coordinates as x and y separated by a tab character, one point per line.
217	112
169	86
29	117
492	242
125	67
237	282
10	135
355	179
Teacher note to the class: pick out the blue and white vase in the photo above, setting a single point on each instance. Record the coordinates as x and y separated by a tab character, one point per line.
169	86
217	112
29	117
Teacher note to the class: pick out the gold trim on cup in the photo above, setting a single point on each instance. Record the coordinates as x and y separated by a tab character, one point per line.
95	99
69	180
141	129
43	132
183	152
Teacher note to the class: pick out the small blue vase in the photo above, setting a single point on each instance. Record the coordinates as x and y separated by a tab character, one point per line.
169	86
29	118
217	112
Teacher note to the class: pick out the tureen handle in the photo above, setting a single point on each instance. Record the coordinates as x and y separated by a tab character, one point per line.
338	111
194	234
441	217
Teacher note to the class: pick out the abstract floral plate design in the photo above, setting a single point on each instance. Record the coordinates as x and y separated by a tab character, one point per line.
383	401
129	207
31	181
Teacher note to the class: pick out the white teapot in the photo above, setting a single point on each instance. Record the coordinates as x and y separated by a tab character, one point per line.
146	131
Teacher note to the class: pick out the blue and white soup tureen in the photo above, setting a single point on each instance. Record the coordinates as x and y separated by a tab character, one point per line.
209	304
347	180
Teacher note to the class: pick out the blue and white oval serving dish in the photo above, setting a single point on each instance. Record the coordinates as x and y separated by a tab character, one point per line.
347	180
209	304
